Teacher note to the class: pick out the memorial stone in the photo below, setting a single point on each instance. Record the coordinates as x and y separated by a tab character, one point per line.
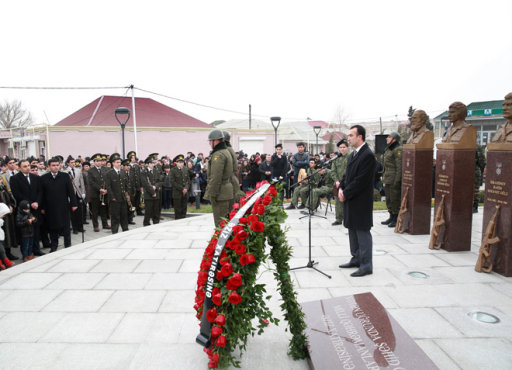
417	178
455	177
498	185
356	332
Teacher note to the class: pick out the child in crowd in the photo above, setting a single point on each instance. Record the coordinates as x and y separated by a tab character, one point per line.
25	220
4	261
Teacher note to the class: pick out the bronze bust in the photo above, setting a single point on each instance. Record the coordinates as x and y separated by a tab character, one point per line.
457	113
418	126
504	134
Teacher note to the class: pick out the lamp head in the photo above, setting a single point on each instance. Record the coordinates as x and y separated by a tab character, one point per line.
275	121
120	112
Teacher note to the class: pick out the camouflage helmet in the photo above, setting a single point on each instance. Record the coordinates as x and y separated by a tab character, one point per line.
227	135
394	135
216	135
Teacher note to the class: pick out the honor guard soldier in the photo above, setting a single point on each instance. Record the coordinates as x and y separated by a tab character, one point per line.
237	193
219	189
117	191
392	177
98	196
130	188
152	184
180	182
338	169
158	169
77	181
135	171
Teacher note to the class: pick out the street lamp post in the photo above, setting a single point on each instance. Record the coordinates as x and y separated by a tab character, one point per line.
122	112
275	123
317	130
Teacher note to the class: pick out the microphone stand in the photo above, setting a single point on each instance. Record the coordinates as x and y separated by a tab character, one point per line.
311	264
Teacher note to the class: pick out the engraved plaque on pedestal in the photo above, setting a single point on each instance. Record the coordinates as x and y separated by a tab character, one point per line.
498	191
455	178
356	332
417	185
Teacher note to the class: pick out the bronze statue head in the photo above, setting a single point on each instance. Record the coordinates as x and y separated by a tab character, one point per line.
507	106
418	120
457	111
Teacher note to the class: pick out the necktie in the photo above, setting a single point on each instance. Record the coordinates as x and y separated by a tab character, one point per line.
28	179
72	174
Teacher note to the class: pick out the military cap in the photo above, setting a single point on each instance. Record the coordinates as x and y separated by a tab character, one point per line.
342	141
78	163
179	158
114	157
149	159
69	159
395	135
131	154
96	157
125	162
86	163
154	156
227	135
216	134
104	157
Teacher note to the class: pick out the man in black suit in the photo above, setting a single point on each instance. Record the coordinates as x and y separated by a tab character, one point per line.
356	193
26	186
58	197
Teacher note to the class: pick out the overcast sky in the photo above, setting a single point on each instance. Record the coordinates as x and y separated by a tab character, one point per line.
295	59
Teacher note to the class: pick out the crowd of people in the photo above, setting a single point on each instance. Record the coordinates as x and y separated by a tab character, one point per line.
42	200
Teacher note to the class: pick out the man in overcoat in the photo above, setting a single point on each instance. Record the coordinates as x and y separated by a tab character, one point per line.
57	199
357	195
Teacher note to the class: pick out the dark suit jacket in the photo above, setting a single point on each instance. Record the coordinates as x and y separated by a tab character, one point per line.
58	197
357	185
23	191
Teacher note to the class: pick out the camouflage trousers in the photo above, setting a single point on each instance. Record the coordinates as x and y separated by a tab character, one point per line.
393	193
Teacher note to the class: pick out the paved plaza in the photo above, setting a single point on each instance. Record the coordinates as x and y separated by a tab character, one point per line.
125	301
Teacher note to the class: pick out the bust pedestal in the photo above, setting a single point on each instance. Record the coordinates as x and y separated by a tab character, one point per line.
498	191
417	184
455	179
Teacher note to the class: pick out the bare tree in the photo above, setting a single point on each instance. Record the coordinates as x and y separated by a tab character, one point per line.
340	116
12	115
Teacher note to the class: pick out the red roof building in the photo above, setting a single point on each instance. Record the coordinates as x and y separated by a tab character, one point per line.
149	113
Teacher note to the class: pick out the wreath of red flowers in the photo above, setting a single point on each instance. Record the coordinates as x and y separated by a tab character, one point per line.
236	297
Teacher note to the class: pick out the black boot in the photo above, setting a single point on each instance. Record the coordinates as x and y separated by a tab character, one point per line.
475	207
393	221
388	220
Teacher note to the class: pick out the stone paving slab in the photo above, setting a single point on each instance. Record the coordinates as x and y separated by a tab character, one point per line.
125	301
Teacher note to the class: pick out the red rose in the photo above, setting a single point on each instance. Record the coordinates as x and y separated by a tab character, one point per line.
235	281
200	293
236	206
239	249
227	270
237	228
214	357
242	235
216	331
202	276
272	191
208	351
264	321
212	365
243	221
234	298
258	227
221	341
211	314
267	199
223	223
258	209
252	218
232	214
247	259
249	193
243	202
217	299
219	276
223	258
220	320
205	264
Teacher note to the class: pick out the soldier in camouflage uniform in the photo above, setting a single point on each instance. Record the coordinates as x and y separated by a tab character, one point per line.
324	187
180	182
237	193
219	189
303	190
338	169
479	175
392	177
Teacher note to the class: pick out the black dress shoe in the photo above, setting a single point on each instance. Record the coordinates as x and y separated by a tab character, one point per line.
361	273
335	223
107	227
75	232
348	265
11	256
85	223
302	206
131	223
39	253
291	206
